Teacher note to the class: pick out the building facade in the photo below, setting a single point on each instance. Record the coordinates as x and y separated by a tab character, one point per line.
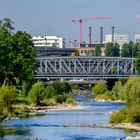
49	41
118	38
137	38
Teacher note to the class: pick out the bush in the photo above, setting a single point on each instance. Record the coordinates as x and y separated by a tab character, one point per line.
50	92
37	93
118	117
26	87
7	98
131	91
116	90
134	114
61	98
75	88
99	88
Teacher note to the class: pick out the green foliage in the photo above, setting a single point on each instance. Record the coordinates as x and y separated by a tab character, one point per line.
66	88
129	50
99	88
57	86
127	114
17	54
138	60
134	114
26	86
131	91
118	117
116	90
37	93
112	49
97	50
75	88
7	98
50	92
60	91
61	87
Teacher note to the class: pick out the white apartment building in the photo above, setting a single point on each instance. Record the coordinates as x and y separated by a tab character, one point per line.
49	41
118	38
137	38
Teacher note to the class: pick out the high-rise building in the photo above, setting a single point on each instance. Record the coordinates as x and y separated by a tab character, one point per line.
49	41
137	38
118	38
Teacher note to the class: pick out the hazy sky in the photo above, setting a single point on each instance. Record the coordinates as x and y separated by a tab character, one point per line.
53	17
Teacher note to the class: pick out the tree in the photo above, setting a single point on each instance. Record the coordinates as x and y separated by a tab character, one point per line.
116	90
99	88
112	49
97	50
50	92
6	29
17	54
137	50
23	56
128	50
66	88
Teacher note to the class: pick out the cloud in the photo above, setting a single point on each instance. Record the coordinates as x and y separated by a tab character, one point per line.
137	17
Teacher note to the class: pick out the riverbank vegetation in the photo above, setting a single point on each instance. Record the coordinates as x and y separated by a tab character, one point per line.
15	104
129	92
18	89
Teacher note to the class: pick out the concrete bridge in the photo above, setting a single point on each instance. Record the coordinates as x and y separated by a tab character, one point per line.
85	67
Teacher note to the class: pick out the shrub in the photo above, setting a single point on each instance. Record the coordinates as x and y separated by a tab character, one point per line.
131	91
134	114
66	88
116	90
37	93
75	88
26	87
99	88
50	92
7	98
61	98
118	117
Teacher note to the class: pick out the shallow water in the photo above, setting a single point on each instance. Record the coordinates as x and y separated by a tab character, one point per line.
51	125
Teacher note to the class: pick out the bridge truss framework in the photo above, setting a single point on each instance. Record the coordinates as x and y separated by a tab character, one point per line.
85	67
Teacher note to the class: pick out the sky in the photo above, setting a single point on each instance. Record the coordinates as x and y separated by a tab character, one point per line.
53	17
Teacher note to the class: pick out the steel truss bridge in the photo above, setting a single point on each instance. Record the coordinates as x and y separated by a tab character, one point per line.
85	67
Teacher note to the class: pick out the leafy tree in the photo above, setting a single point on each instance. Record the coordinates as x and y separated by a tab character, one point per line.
116	90
99	88
112	50
17	54
50	92
37	93
5	36
97	50
131	91
57	86
23	56
128	50
6	25
136	49
66	88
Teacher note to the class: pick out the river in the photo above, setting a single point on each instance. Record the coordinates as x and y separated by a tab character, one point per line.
52	124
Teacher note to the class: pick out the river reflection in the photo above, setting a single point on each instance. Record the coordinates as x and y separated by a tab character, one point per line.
52	125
